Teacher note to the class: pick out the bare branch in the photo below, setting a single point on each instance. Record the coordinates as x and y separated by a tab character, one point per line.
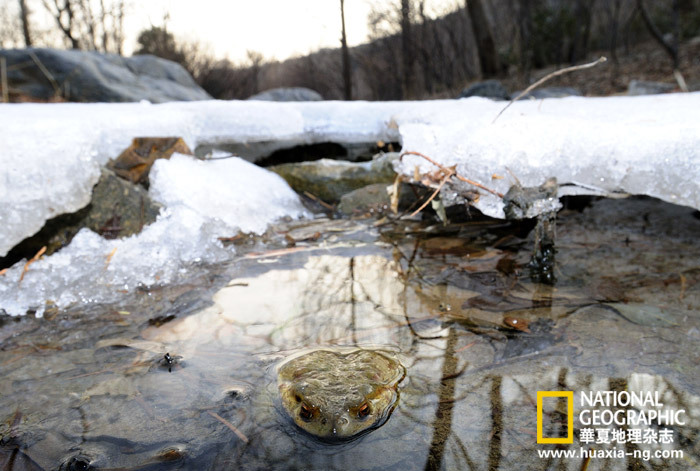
556	73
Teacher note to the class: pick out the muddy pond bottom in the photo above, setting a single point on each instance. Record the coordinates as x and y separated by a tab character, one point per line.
197	376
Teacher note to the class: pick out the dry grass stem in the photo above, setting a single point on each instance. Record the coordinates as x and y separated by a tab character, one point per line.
109	257
447	171
319	201
32	260
556	73
432	197
47	74
233	428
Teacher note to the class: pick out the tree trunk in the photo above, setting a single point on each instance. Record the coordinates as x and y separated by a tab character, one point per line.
347	72
670	48
407	57
525	29
582	30
486	46
614	28
24	18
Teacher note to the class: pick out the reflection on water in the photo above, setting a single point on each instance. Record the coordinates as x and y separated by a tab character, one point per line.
186	377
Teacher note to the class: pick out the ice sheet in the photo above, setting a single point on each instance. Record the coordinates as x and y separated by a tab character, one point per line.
204	200
644	145
52	153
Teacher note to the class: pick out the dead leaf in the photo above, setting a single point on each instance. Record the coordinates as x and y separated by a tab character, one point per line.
516	323
136	161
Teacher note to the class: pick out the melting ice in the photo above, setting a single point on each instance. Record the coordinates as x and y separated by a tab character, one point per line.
52	153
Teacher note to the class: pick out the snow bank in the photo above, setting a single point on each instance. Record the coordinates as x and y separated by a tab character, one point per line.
93	269
52	154
203	200
646	145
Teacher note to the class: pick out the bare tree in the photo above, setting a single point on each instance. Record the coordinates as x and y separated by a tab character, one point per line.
524	16
89	24
24	18
671	47
63	14
407	56
583	11
347	72
488	56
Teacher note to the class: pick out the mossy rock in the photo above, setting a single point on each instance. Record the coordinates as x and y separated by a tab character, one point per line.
329	180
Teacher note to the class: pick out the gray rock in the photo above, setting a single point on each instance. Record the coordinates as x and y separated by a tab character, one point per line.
488	89
522	203
550	92
118	208
330	179
89	76
375	200
288	94
641	87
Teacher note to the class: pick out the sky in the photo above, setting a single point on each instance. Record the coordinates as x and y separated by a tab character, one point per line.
276	28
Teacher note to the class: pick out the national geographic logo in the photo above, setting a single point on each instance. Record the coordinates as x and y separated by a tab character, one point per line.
612	417
569	396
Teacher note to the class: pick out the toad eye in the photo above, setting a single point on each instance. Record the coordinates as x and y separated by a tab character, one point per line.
363	411
306	413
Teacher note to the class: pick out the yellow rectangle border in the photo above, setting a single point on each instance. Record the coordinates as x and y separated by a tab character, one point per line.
569	395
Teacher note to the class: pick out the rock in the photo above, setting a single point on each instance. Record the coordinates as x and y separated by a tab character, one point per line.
117	209
641	87
90	76
550	92
524	203
329	179
288	94
489	89
136	161
375	199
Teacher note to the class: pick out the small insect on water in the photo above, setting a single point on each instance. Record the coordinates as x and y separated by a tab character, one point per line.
169	361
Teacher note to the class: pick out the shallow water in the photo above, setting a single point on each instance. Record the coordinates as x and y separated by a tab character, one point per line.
92	388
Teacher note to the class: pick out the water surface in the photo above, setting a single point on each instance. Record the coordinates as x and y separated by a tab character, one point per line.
92	387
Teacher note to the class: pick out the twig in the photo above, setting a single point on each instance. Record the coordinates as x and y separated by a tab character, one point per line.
319	201
435	193
446	170
466	347
221	157
547	77
680	80
233	428
45	71
32	260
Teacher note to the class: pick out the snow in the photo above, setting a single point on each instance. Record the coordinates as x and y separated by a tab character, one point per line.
93	269
239	194
643	145
52	154
204	200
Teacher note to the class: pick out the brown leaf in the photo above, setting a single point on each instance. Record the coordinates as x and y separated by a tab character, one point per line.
516	323
136	161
